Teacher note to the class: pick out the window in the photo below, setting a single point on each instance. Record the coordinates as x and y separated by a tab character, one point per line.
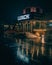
38	10
27	10
37	25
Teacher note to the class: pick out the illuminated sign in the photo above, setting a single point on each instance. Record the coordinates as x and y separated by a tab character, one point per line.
23	17
33	9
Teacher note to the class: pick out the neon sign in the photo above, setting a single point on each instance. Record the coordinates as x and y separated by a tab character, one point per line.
23	17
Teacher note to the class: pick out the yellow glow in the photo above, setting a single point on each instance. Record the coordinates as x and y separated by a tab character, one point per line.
43	41
37	34
39	30
50	20
32	52
43	50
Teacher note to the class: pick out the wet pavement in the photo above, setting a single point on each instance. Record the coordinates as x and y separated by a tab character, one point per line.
15	51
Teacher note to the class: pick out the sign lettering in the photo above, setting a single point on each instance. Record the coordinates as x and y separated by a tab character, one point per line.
23	17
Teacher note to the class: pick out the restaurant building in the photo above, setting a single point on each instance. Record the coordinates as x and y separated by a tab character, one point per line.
32	20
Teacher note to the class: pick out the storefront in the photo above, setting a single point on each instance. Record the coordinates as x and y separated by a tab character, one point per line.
49	31
32	22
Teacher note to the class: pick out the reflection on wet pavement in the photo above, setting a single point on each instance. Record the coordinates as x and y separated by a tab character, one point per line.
33	52
27	51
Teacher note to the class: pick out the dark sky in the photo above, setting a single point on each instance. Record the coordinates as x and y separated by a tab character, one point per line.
9	9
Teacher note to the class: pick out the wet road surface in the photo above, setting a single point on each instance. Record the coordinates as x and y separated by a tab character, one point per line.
15	51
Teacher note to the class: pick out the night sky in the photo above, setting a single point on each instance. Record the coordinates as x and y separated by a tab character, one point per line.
9	9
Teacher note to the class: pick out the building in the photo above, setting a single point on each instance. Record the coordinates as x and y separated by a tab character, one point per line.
32	20
49	31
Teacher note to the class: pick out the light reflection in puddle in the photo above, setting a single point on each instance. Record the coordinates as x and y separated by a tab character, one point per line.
22	56
31	51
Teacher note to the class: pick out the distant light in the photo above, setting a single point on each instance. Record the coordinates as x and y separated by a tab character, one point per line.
50	24
50	20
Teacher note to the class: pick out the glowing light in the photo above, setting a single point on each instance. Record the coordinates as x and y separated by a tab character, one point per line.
23	17
43	41
50	24
43	50
33	9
